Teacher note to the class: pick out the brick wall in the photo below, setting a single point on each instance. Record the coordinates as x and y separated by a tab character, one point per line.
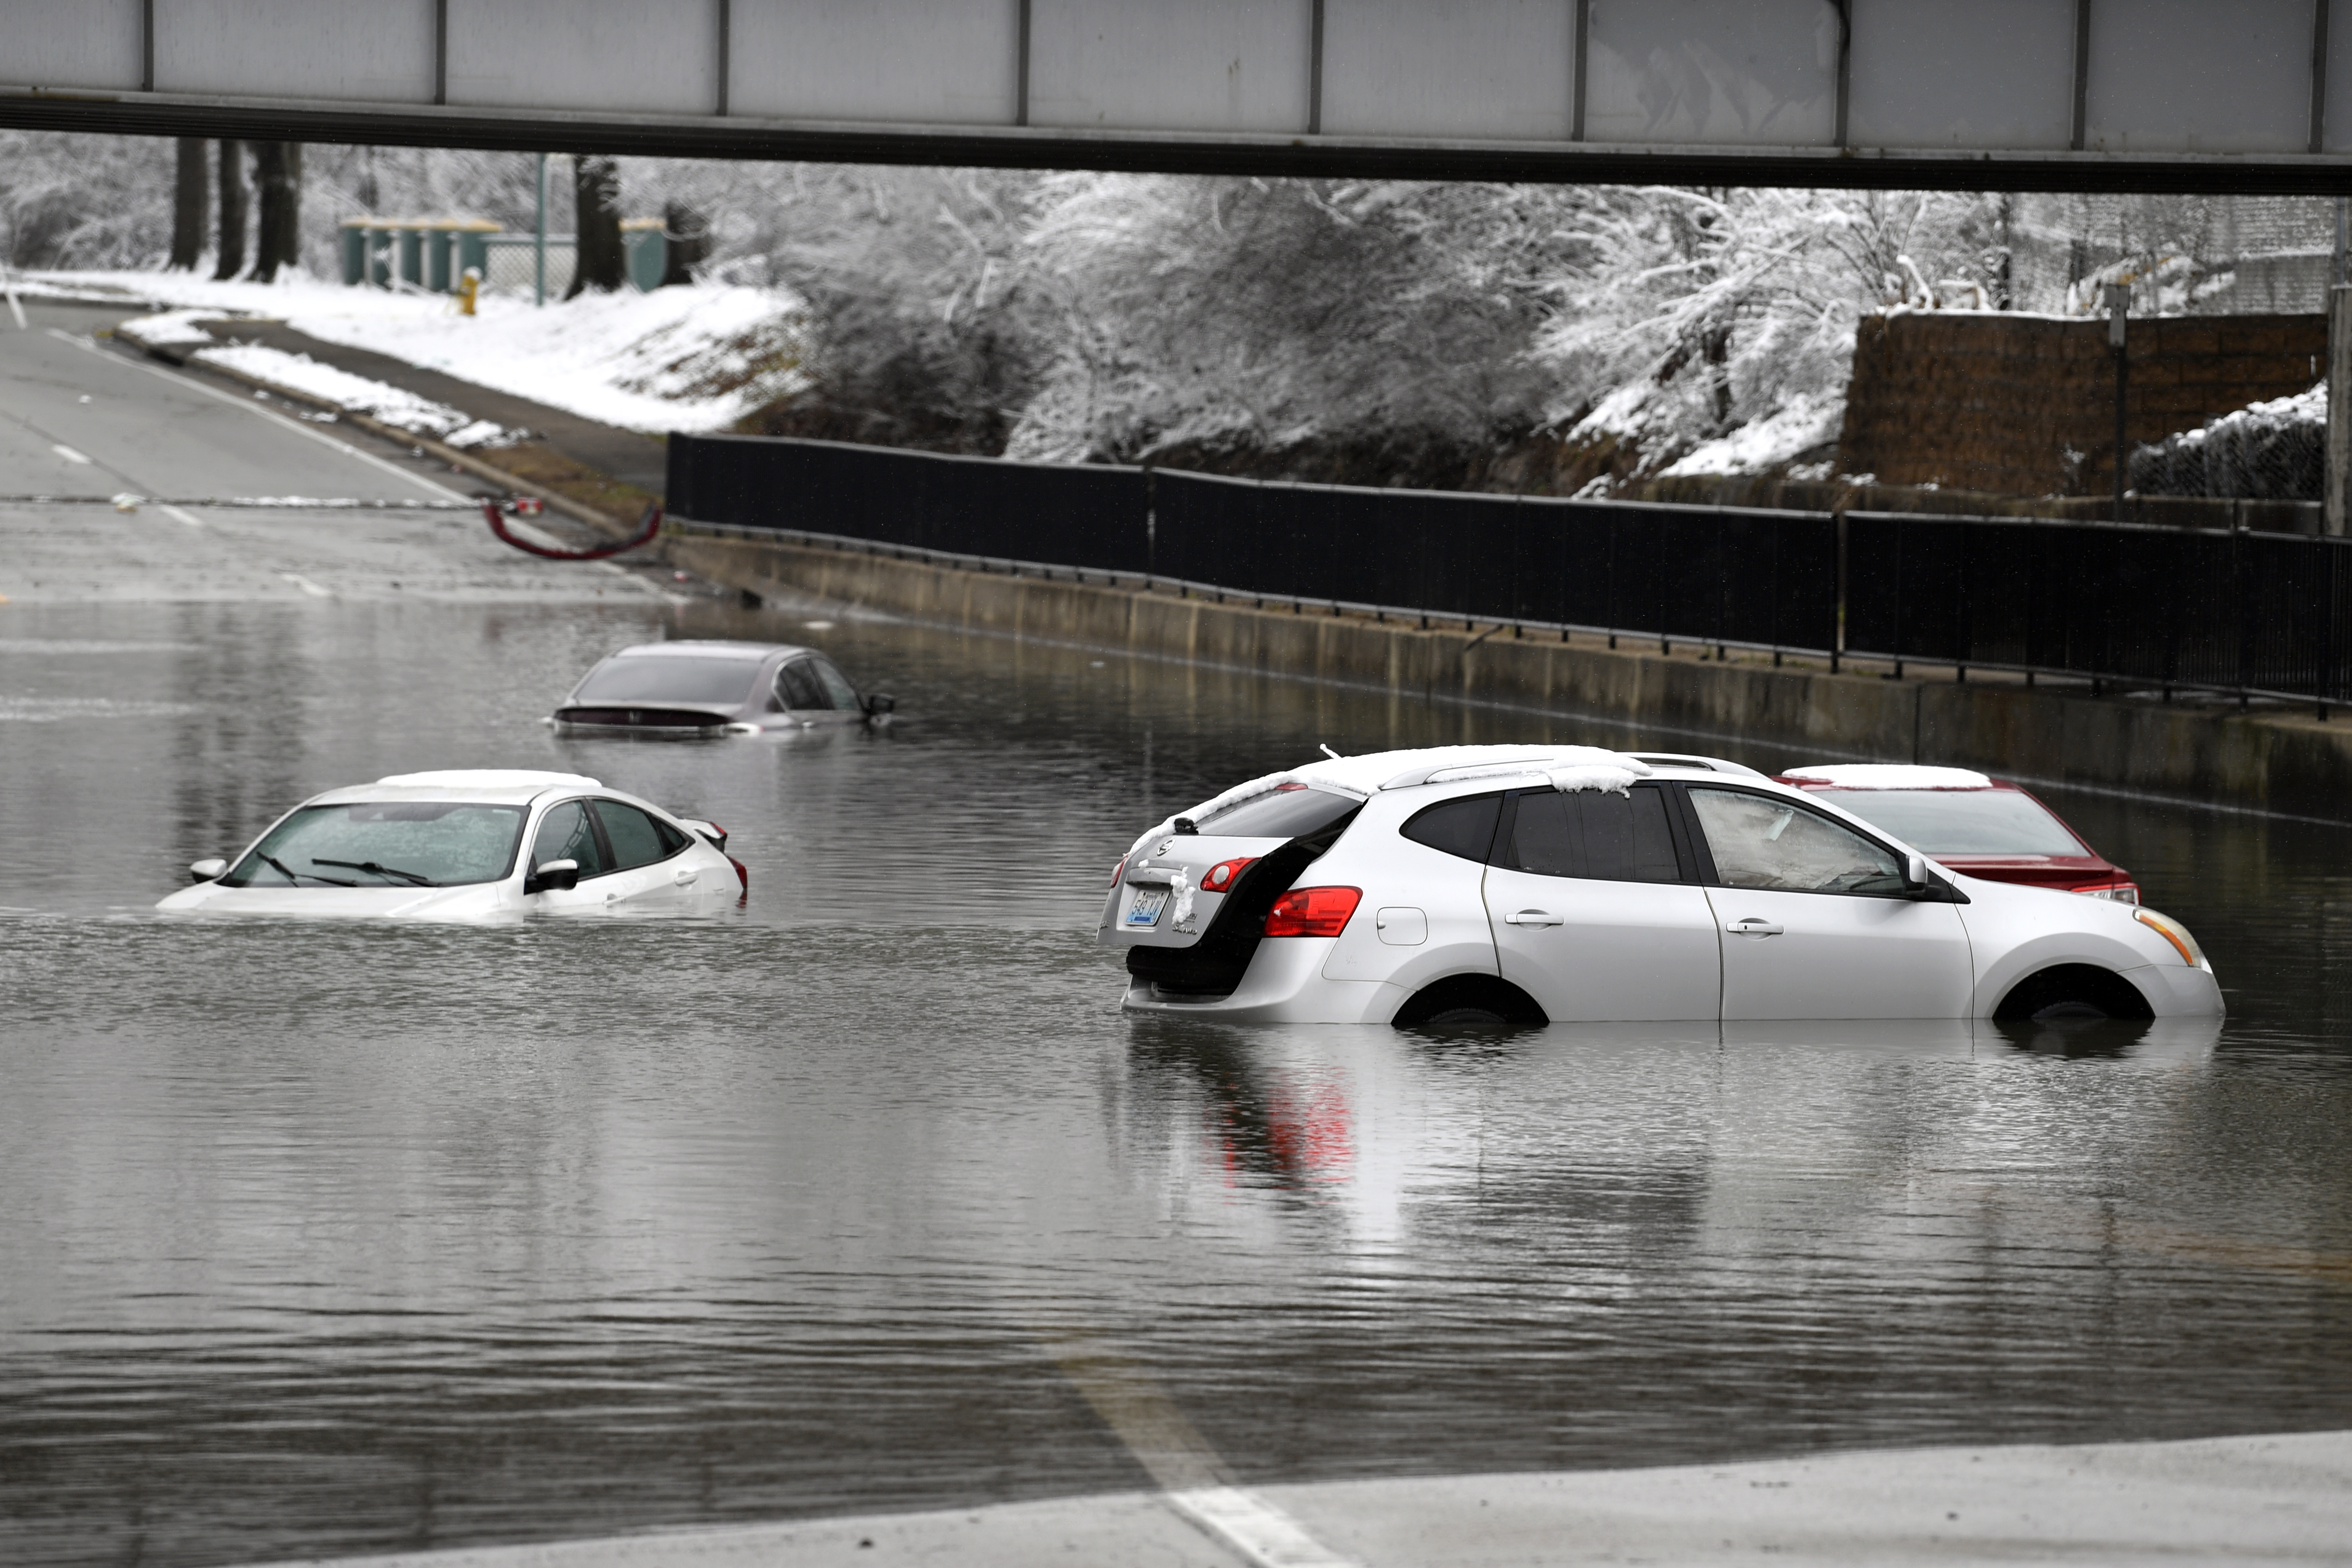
1982	401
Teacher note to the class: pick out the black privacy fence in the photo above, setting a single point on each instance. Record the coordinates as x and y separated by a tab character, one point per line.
1753	579
2122	603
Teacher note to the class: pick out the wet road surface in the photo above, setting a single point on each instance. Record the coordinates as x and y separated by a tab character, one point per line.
865	1196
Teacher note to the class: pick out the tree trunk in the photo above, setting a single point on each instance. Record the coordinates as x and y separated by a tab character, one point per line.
277	241
232	210
597	261
690	243
191	201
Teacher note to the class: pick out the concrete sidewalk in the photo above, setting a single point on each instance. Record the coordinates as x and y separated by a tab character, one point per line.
2284	1499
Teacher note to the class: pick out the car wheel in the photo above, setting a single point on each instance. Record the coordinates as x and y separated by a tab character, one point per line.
2073	991
1465	1018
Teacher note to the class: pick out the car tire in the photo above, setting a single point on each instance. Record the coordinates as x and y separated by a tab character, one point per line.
1470	1001
2073	992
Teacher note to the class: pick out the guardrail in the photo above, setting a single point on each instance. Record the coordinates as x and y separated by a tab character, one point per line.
2121	604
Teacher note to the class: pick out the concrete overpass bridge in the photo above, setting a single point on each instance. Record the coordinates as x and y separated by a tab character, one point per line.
2180	95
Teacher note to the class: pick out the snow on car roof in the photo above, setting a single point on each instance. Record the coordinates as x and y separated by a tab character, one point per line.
487	778
1890	775
713	647
1570	768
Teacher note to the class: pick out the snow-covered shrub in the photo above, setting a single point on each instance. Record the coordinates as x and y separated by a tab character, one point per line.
2276	450
84	201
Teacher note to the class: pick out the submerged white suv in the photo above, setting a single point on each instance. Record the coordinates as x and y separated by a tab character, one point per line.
1557	883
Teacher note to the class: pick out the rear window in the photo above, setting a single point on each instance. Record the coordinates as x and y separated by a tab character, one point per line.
1463	828
1285	813
670	677
1593	833
1961	821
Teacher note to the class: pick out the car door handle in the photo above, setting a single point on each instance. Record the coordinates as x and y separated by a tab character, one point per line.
1532	917
686	878
1753	926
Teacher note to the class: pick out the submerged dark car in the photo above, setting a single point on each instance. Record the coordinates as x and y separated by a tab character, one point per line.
715	687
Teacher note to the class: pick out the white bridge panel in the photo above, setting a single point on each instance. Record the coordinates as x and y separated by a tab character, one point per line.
1993	73
361	49
2202	75
561	54
909	61
76	43
1499	68
1723	72
1207	65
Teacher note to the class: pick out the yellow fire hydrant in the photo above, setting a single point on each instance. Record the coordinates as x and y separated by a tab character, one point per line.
467	286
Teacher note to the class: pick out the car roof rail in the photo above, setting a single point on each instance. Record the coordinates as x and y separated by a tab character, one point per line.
1691	759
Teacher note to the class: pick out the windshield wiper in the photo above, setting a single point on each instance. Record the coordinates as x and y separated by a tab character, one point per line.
372	868
296	878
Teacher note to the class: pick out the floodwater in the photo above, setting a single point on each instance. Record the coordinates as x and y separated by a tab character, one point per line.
342	1239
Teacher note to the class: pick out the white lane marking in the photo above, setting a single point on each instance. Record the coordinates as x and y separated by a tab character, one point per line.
1190	1474
281	421
307	586
1257	1528
67	453
176	515
16	309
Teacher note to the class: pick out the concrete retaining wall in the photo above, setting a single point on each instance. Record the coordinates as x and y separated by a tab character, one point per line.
2268	761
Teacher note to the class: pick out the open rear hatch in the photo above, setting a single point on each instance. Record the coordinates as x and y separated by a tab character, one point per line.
1190	904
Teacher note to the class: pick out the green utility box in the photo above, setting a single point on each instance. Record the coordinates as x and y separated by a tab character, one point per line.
646	250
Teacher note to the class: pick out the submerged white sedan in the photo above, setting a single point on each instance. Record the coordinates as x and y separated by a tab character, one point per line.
473	845
1534	884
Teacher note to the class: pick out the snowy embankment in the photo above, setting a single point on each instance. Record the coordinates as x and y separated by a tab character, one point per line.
690	358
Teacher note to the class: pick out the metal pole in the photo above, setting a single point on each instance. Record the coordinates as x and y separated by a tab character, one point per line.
538	242
2339	405
2118	307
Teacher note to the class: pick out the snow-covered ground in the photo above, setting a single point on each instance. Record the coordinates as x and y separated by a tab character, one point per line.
689	358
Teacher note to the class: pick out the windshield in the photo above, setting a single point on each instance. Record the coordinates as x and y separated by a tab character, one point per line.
1962	821
1287	811
670	677
378	843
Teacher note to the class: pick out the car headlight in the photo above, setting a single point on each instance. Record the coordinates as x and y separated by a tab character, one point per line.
2173	931
2121	892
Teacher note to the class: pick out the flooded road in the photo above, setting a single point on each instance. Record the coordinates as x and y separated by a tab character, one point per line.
318	1240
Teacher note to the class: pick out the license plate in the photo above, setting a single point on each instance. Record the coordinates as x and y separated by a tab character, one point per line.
1149	902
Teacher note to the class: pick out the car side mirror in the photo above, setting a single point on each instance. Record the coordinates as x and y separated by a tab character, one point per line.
559	875
206	870
878	703
1914	872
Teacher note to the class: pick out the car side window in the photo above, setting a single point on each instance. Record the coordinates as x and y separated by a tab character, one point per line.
1463	828
636	839
1599	833
1762	841
839	694
565	834
797	688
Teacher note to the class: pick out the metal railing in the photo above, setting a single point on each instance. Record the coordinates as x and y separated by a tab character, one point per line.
2118	605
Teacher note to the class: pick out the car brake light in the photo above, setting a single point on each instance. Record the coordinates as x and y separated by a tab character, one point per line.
742	872
1119	870
1312	911
1220	878
2121	892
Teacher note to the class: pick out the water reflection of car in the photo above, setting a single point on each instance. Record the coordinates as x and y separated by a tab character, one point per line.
450	846
1988	827
714	687
1557	883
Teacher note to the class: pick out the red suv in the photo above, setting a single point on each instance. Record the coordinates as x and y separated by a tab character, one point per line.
1983	826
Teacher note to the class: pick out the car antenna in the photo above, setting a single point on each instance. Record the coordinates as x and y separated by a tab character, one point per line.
1330	753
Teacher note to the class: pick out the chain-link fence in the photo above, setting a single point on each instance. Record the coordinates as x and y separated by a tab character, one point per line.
2265	451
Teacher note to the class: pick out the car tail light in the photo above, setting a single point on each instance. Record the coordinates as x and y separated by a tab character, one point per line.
1312	911
2121	892
742	872
1119	870
2176	933
1221	876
